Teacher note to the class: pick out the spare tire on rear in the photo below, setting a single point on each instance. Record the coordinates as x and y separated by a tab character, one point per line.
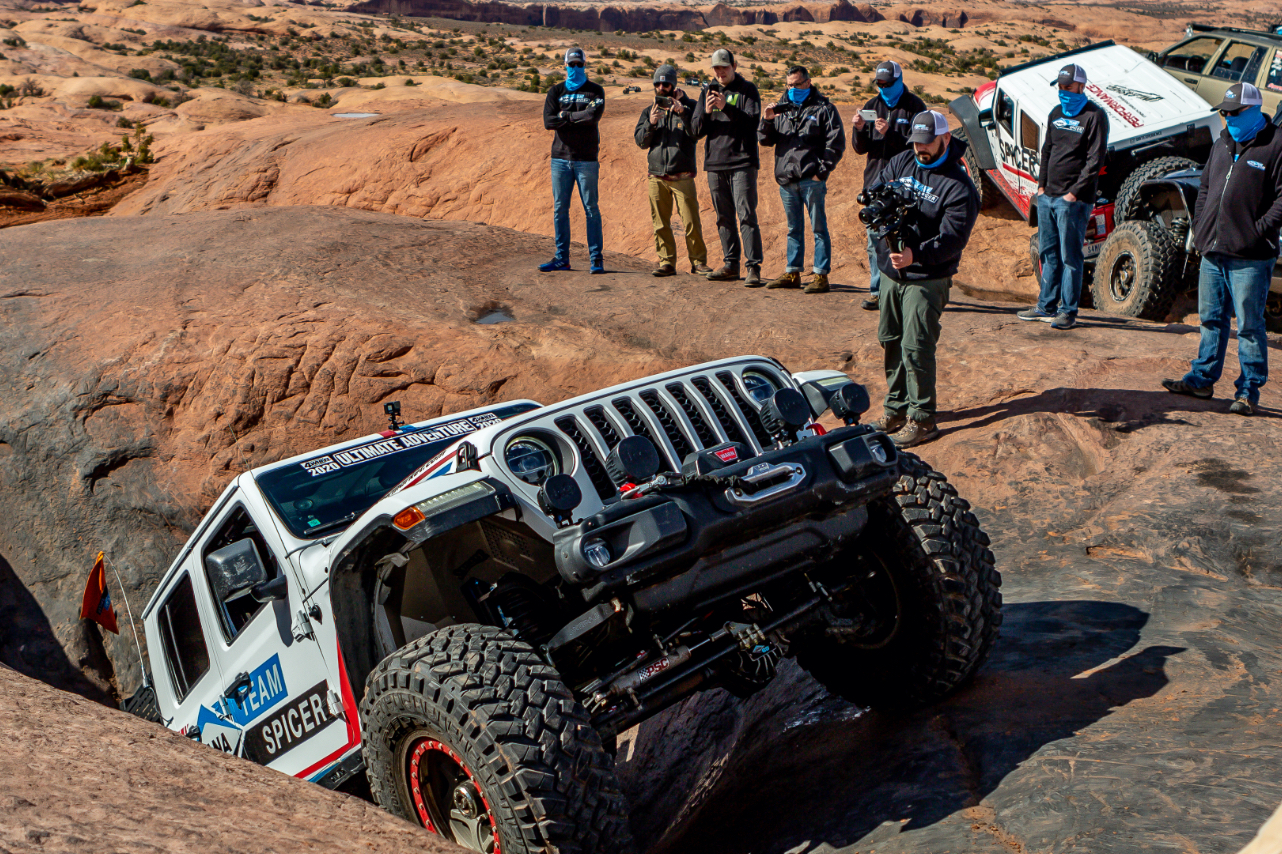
1138	272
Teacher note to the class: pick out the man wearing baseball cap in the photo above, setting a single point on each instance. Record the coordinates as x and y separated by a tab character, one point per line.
573	109
881	139
917	273
726	118
664	129
1072	156
1235	228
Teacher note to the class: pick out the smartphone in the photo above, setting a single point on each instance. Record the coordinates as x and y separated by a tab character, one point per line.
784	107
663	101
868	115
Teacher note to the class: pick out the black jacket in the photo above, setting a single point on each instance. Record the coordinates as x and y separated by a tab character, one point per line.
671	141
731	134
880	149
948	206
1073	153
576	136
1239	205
808	140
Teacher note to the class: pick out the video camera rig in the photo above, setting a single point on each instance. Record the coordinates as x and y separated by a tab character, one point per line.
887	212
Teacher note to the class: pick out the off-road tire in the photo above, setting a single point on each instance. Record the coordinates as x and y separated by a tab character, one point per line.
528	745
1126	207
988	192
949	596
1138	272
1273	312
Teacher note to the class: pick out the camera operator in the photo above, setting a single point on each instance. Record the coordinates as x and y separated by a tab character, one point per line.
726	116
806	133
1235	227
573	109
881	139
917	273
664	128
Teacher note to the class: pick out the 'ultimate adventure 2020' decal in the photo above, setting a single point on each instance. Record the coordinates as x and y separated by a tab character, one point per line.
395	444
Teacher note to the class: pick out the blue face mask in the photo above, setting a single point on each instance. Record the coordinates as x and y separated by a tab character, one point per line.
942	157
1071	102
798	96
1245	125
575	77
891	93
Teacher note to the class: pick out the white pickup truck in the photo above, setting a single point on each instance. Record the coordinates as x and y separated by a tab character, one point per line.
470	609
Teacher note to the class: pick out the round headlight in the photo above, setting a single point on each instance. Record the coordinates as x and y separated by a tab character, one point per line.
759	385
531	460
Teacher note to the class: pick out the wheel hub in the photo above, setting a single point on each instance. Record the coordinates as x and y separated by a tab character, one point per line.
447	798
1123	278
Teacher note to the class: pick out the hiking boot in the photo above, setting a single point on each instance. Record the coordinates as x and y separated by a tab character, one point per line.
1181	387
1064	320
915	433
1036	313
754	276
700	269
1242	406
871	304
663	270
891	422
726	273
818	286
554	266
787	280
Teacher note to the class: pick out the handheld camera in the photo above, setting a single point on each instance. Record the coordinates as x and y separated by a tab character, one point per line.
887	210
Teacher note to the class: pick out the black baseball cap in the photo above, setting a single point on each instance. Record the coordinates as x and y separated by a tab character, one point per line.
1240	95
928	126
888	72
1070	74
575	54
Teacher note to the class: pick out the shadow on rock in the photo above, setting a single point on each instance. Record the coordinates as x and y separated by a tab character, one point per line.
797	783
28	644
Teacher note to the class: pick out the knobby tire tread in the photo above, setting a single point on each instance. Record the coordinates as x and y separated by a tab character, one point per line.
1158	277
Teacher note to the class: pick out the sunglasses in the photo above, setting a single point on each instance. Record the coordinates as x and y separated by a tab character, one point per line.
882	84
1227	113
663	85
575	64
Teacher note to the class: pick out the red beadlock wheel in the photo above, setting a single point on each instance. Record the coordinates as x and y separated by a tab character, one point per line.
447	797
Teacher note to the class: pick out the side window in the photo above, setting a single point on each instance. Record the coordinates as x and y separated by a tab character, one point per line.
1239	62
236	614
186	655
1274	81
1029	132
1005	112
1192	56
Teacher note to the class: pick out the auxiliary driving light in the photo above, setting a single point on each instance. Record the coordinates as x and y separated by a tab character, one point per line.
597	553
785	412
849	402
633	460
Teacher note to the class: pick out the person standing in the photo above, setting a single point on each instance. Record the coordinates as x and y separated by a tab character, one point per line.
1235	227
573	110
881	139
806	133
726	118
1072	156
664	128
917	274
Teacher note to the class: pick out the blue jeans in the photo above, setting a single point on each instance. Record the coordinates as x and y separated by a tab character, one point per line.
874	272
808	193
565	174
1228	286
1061	232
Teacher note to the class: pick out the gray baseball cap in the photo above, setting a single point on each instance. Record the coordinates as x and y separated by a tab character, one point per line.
889	71
665	74
1240	95
1070	74
722	57
927	126
575	54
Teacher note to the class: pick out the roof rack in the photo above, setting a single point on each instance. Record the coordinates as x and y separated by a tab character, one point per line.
1045	59
1211	28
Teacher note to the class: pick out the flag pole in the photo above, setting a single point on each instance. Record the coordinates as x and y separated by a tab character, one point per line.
123	595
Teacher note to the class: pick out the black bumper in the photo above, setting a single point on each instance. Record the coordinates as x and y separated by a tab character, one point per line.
701	543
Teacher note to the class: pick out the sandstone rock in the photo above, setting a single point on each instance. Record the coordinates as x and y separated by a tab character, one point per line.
21	200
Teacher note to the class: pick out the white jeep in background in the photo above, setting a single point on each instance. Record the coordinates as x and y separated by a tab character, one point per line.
469	610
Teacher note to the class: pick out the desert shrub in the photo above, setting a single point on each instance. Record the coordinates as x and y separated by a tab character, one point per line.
123	122
140	74
29	88
409	82
324	100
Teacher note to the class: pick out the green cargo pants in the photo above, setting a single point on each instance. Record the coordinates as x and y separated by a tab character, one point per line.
908	331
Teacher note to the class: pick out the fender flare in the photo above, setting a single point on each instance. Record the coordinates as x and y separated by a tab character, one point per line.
965	109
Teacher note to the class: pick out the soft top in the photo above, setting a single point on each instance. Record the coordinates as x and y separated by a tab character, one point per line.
1141	100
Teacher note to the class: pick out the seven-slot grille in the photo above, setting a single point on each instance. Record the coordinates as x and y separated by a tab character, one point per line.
680	417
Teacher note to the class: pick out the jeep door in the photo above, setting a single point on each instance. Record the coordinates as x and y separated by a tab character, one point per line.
187	675
1237	62
1189	60
279	694
1271	82
1016	164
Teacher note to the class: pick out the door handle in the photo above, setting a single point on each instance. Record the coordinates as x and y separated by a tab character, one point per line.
1190	79
239	688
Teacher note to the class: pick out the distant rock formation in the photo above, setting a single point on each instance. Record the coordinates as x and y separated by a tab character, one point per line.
635	18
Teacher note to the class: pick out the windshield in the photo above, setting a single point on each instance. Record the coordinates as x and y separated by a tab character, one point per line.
325	493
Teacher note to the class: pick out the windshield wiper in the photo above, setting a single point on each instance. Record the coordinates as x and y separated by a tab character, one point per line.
337	523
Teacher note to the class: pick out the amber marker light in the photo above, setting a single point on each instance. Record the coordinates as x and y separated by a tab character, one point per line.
408	518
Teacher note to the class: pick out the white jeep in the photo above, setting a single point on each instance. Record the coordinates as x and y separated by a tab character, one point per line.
1156	126
469	610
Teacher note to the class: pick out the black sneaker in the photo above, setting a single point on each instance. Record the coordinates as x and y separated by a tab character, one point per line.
1036	313
1181	387
1064	320
1242	406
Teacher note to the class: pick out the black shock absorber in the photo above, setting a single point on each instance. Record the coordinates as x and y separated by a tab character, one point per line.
522	607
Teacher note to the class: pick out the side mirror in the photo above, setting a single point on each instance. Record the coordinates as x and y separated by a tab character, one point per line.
986	117
235	570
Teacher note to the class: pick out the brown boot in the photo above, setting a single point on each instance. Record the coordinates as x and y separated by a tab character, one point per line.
787	280
727	273
915	433
818	286
754	276
664	269
700	269
891	422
